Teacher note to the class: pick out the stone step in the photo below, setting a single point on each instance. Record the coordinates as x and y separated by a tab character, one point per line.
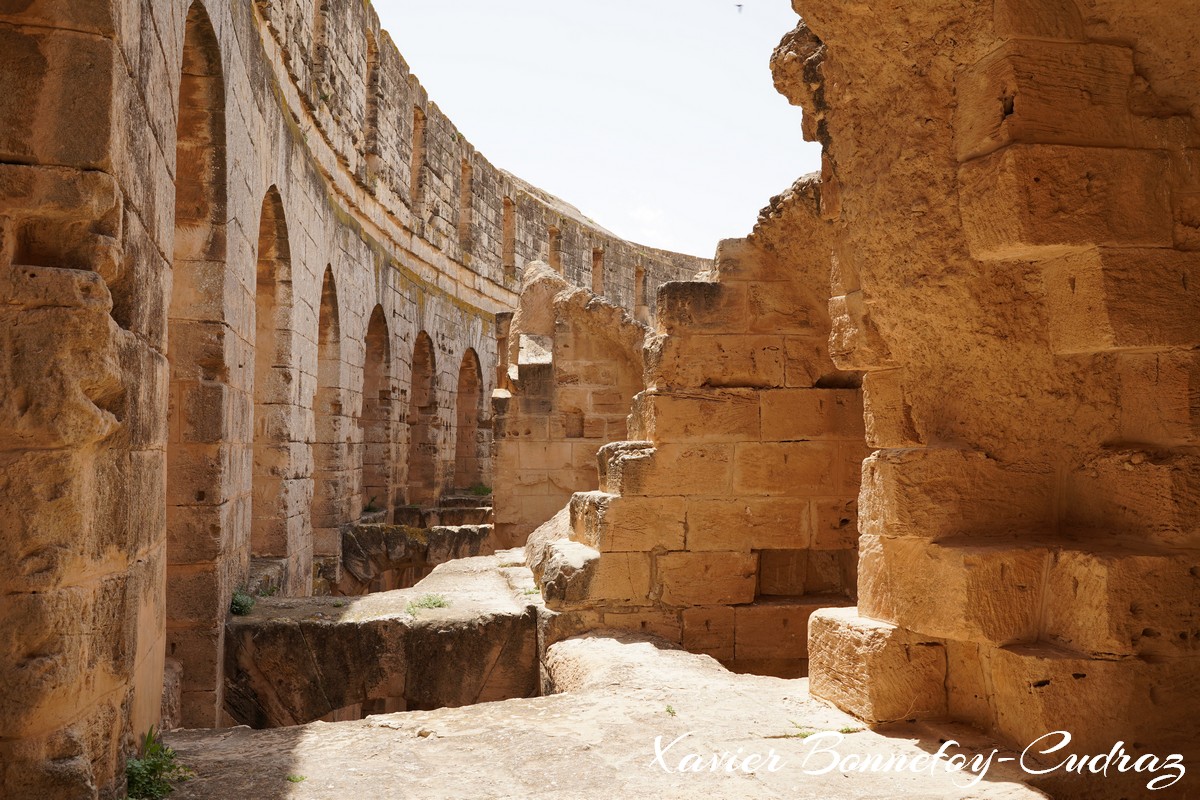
465	500
884	673
1094	594
415	517
296	660
641	468
613	523
377	554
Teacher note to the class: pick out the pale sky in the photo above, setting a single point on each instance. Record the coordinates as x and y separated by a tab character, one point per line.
656	118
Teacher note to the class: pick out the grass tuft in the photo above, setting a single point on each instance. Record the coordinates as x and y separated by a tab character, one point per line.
152	775
428	601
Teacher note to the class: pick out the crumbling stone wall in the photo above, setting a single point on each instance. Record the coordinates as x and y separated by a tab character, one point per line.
1013	190
224	228
732	515
571	367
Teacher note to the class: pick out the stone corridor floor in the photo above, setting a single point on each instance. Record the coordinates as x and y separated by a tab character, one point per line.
608	733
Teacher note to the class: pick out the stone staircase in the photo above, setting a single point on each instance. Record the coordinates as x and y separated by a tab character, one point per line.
730	516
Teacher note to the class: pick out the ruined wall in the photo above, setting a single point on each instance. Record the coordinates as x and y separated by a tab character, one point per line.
230	234
1013	190
732	516
571	365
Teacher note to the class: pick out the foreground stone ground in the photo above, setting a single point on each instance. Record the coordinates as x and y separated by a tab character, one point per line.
595	738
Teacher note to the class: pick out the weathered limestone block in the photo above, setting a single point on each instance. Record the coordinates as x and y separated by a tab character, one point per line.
987	591
1043	19
575	574
1029	91
786	468
612	524
876	671
1160	397
787	307
699	415
715	361
775	629
1123	299
709	629
481	647
371	551
835	523
887	412
1035	688
670	469
693	307
749	523
62	358
854	340
1115	601
706	579
55	217
56	119
934	493
812	414
1155	495
1042	201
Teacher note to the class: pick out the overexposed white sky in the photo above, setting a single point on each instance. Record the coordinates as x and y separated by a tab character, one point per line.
656	118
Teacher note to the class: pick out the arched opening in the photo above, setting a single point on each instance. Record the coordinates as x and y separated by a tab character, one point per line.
371	110
421	485
468	462
465	209
598	270
331	445
416	188
641	311
508	242
371	99
555	255
376	420
320	43
276	525
200	511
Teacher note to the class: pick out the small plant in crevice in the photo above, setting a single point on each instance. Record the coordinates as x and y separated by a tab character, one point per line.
297	778
850	729
370	507
428	601
270	590
480	490
153	773
241	603
671	710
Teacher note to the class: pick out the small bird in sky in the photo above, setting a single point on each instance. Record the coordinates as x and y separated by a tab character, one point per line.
739	7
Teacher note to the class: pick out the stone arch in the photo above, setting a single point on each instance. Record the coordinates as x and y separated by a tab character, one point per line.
468	466
331	442
276	527
377	418
199	508
421	484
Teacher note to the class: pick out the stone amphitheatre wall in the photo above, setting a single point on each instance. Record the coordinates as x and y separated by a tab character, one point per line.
246	266
1013	189
731	514
570	368
1005	233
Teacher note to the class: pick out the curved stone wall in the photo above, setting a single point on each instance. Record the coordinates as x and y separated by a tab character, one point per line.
219	221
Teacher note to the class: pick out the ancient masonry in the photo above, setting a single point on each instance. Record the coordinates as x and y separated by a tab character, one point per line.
251	277
924	443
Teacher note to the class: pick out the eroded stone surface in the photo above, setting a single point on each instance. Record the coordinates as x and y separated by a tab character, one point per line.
595	738
292	660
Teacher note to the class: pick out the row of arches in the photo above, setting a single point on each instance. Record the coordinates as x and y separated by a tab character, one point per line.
269	450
